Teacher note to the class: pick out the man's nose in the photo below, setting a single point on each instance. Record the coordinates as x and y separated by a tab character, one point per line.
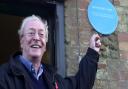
36	36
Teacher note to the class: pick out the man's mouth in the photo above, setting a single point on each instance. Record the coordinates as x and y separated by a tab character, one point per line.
35	46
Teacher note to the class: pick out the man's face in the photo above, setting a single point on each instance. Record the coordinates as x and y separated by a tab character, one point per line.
33	42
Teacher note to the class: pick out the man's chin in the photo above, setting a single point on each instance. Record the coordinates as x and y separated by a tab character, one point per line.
36	55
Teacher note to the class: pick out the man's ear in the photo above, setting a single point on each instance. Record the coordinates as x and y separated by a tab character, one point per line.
21	42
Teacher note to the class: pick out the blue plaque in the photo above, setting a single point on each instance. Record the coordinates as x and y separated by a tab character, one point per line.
103	16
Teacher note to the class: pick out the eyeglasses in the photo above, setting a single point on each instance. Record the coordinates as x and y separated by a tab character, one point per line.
33	34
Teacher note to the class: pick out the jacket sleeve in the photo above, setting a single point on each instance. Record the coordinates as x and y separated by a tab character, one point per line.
85	77
3	84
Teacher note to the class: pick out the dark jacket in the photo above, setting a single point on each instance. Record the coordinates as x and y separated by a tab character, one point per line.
13	75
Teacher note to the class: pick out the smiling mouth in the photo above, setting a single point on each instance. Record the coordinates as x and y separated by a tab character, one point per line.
35	46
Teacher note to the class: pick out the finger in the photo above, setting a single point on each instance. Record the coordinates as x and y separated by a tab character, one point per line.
98	43
97	37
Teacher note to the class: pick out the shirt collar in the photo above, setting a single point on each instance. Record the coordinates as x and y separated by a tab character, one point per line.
28	64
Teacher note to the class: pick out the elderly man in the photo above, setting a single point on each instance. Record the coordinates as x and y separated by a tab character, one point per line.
25	70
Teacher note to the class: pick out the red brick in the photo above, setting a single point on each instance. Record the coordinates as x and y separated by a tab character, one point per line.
123	55
122	37
102	66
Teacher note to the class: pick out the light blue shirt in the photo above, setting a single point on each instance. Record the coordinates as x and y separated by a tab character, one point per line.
31	68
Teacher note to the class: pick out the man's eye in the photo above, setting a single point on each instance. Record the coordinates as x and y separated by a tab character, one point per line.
31	33
41	34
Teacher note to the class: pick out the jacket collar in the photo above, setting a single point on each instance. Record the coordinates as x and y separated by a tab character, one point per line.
18	69
49	76
15	65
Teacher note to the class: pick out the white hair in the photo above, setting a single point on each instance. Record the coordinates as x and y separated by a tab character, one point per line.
30	18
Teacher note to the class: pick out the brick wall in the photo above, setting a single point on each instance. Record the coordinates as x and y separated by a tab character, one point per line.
77	33
113	64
